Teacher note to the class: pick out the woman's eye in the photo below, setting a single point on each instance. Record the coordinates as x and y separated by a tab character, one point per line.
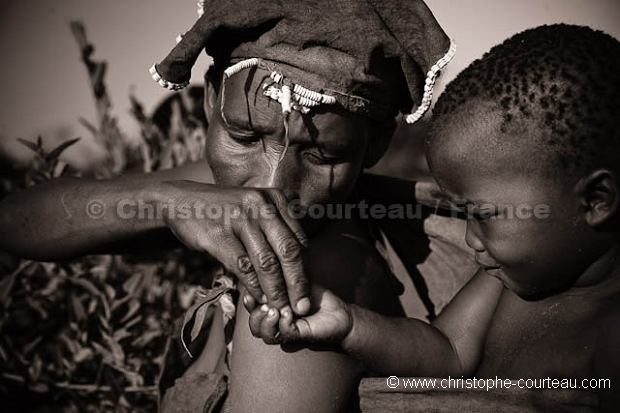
245	139
455	206
481	214
319	159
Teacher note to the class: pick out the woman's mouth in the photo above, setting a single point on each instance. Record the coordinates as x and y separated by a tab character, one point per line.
486	264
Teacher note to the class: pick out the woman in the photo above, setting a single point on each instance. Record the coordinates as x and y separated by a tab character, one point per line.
308	94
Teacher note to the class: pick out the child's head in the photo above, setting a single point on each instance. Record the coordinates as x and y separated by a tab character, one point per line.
310	88
529	136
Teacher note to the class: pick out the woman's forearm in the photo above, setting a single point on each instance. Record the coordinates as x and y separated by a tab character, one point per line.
66	218
70	217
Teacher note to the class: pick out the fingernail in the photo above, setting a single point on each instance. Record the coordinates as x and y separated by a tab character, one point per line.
264	308
303	305
286	312
271	313
263	298
245	299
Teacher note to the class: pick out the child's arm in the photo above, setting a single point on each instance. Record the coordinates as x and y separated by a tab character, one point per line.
452	345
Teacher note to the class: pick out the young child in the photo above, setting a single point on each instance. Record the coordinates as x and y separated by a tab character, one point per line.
527	139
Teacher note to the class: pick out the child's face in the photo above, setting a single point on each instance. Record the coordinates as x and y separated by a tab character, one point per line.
526	228
323	160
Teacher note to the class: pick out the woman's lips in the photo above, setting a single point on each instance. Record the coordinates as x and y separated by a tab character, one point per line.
486	264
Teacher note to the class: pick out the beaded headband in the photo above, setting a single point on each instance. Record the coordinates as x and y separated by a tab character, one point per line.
293	96
303	99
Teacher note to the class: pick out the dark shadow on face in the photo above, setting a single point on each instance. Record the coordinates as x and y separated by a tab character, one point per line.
314	135
246	88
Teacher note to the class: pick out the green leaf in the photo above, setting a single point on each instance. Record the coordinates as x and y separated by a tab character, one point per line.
55	153
87	285
34	372
31	145
133	283
78	308
103	352
134	307
51	287
84	354
121	334
117	351
146	338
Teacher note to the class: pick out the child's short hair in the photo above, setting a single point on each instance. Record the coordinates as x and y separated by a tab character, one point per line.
563	79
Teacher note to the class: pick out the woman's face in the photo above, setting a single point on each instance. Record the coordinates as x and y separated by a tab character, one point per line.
246	139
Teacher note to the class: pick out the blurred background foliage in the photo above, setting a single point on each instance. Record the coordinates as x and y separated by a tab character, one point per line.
89	334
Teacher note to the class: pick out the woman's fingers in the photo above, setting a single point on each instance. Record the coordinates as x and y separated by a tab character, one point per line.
229	250
264	252
266	263
282	233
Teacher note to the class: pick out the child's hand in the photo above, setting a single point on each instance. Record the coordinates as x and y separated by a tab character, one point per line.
329	322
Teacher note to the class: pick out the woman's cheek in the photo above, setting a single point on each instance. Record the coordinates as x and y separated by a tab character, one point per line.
323	184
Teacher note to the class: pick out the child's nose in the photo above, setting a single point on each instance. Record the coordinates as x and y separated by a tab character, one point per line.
472	239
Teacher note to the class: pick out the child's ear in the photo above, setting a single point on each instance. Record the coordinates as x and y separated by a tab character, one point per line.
378	142
210	99
600	197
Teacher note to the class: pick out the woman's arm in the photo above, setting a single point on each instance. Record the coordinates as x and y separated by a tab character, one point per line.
66	218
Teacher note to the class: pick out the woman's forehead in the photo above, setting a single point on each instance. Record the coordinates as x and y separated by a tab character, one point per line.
243	105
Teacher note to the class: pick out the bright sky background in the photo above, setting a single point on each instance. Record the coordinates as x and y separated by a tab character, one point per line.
44	86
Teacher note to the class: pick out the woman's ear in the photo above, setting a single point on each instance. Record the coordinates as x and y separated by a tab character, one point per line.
600	197
210	99
379	141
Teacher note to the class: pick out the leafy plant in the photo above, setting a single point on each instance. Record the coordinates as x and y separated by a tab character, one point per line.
89	334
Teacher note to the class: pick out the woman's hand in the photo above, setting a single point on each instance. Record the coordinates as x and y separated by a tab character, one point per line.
249	230
330	321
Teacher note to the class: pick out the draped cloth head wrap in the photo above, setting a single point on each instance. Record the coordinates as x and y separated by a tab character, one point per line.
372	57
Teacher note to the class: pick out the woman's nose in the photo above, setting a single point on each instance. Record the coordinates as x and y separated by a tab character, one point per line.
284	175
472	239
